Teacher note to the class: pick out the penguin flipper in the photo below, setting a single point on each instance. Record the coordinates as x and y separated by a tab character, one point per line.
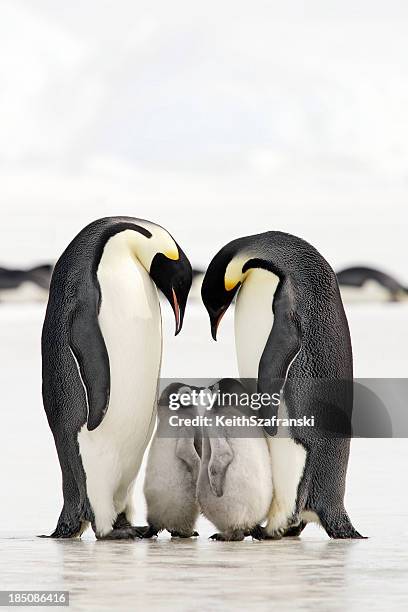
186	451
221	457
89	349
281	348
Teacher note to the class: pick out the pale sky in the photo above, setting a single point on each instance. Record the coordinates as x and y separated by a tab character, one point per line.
215	119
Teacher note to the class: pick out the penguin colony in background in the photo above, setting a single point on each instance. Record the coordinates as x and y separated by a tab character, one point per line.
362	284
102	348
30	285
357	284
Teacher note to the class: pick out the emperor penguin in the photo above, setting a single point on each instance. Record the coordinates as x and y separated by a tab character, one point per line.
363	284
101	358
292	338
25	285
234	486
172	470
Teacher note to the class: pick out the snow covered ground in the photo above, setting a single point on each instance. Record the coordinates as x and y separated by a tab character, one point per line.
311	573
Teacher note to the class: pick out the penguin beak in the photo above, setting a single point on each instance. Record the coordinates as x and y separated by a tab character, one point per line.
178	313
173	279
215	321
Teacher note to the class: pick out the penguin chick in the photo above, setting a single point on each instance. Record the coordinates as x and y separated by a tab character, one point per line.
172	470
234	486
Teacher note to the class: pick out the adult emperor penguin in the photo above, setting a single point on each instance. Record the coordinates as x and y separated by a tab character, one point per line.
291	333
363	284
25	285
101	350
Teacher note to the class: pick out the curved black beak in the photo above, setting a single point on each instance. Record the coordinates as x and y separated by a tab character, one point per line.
215	320
178	312
173	278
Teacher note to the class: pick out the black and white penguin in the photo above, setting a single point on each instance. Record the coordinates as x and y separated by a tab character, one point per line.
291	329
29	285
363	284
101	350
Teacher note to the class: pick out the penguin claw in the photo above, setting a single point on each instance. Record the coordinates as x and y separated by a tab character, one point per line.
177	534
260	533
294	531
218	537
139	532
233	537
257	533
122	524
149	532
65	531
128	533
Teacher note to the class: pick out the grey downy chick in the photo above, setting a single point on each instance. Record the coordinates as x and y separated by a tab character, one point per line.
172	471
234	486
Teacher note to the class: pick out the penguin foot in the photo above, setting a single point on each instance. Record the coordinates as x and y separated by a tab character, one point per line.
257	533
123	523
140	530
345	534
295	531
67	531
128	533
235	536
178	534
150	532
339	527
260	533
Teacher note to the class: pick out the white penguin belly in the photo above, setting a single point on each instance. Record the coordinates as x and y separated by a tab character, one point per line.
130	321
253	319
253	324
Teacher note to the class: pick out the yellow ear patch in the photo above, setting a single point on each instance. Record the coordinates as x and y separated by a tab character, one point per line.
172	254
233	274
230	284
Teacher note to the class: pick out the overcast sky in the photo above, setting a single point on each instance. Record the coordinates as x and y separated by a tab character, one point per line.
215	119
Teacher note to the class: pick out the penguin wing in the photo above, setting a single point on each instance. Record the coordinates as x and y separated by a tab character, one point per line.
186	451
281	348
89	349
221	457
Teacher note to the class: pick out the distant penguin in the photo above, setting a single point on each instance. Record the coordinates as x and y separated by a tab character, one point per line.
29	285
172	471
291	329
362	284
101	352
234	487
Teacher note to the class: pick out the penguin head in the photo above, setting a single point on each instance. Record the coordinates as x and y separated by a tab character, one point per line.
223	278
167	265
173	277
